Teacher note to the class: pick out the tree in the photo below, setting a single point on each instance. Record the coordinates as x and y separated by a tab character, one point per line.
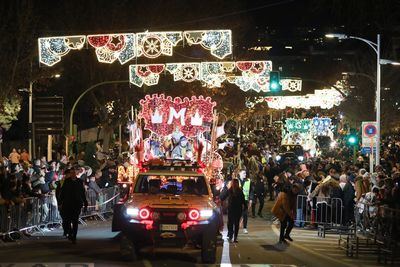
18	26
9	111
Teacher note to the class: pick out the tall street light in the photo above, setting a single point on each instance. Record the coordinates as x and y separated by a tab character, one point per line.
376	47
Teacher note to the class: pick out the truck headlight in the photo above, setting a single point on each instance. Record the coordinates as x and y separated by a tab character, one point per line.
206	213
132	211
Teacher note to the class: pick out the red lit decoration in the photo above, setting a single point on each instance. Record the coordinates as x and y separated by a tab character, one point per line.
163	115
110	47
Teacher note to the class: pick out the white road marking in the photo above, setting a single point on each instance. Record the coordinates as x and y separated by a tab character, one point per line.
225	258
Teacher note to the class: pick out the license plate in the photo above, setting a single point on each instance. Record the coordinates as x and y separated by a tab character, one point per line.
169	227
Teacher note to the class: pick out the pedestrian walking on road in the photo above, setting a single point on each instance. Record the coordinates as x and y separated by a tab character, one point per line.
259	195
248	190
284	210
72	199
236	204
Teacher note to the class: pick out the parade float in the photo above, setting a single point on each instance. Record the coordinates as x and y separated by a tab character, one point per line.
304	132
173	129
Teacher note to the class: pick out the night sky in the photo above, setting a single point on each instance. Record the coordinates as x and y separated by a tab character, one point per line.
295	23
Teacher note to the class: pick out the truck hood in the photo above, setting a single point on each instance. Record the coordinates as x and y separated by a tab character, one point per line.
171	201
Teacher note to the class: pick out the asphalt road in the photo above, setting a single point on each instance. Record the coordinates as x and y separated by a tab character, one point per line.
98	246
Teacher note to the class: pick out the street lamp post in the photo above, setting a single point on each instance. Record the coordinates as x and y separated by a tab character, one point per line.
376	47
31	130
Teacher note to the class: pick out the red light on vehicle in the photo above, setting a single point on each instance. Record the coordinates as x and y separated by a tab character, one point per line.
144	214
194	214
187	224
148	223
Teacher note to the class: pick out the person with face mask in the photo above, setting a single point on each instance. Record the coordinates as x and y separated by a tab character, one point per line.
248	191
236	205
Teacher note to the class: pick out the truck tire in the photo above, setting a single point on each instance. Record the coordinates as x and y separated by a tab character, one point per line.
209	244
129	251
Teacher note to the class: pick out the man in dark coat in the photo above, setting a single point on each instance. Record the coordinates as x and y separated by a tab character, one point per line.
348	199
72	199
259	194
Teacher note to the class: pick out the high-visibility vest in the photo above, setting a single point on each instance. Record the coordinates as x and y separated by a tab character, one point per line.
246	190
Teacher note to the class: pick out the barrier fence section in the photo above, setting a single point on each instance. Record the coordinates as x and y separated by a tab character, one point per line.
41	213
320	210
378	221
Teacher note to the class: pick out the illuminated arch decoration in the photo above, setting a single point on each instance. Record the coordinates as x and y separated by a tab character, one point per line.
255	75
219	42
322	126
147	74
298	125
325	99
155	44
164	115
187	72
110	47
213	74
52	49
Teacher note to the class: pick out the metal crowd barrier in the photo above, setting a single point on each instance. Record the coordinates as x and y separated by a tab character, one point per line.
324	211
41	213
377	232
100	203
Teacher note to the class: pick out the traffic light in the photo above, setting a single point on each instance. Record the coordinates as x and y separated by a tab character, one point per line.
352	139
274	81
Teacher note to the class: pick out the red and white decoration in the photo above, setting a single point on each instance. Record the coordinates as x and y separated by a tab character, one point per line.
110	47
147	74
164	115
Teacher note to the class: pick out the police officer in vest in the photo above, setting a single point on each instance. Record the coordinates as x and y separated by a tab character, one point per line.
247	188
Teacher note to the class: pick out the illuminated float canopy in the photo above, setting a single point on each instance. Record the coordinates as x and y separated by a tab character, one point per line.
322	126
298	125
165	115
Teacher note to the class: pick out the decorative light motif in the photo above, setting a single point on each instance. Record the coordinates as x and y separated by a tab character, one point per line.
298	125
187	72
147	74
255	75
213	74
164	115
291	85
322	126
51	49
325	99
219	42
110	47
155	44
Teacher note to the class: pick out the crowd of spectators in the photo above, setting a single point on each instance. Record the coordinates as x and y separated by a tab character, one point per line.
320	177
21	179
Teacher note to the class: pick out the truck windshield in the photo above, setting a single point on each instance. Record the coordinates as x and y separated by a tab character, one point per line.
173	185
